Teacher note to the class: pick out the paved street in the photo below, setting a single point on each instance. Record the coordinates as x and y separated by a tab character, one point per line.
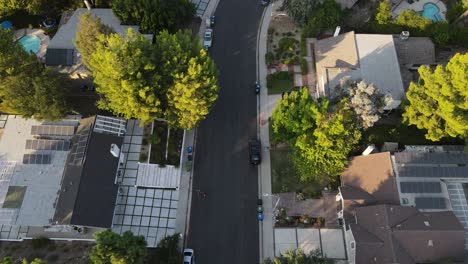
223	226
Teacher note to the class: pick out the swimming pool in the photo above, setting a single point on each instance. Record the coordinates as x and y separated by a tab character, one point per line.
431	11
30	43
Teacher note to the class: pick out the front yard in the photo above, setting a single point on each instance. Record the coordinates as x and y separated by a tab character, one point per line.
279	82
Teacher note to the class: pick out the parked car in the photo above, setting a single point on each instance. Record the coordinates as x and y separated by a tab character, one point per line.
208	38
189	256
255	151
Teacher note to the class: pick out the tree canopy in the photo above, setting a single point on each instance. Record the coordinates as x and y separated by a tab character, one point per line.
37	7
154	15
324	16
26	87
439	101
112	248
173	79
167	251
299	257
299	10
319	135
88	32
365	100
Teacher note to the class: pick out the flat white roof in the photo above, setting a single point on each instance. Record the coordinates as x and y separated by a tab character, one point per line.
379	64
152	175
42	181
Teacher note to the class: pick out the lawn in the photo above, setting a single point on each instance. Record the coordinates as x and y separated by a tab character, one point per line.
279	82
285	179
404	135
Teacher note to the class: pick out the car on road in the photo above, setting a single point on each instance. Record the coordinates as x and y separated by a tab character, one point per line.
208	39
255	151
189	256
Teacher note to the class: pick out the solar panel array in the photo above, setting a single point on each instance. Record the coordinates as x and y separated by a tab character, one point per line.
433	172
430	203
46	144
36	159
431	158
420	187
53	130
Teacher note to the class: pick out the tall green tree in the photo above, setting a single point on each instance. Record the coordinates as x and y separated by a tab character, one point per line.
167	251
299	10
26	87
319	135
174	79
298	257
88	33
324	16
154	15
439	101
112	248
126	76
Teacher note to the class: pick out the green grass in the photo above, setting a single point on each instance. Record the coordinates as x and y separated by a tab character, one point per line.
285	179
279	82
14	197
404	135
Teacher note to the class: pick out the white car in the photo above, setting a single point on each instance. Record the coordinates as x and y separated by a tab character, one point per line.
208	38
189	256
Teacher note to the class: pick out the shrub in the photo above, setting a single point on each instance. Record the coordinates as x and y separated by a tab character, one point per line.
40	242
269	58
286	44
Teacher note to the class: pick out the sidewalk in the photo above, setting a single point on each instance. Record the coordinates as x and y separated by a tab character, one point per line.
266	106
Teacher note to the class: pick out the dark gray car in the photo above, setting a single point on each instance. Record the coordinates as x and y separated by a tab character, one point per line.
255	151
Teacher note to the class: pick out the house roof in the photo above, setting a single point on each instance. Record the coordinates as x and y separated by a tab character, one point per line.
415	50
65	35
88	191
372	174
398	234
95	202
368	57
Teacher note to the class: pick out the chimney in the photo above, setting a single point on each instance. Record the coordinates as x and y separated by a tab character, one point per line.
88	4
114	150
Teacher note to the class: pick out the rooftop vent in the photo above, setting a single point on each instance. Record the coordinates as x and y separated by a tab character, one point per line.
430	243
426	223
404	35
114	150
337	31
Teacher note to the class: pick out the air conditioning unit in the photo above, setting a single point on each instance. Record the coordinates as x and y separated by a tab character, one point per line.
404	35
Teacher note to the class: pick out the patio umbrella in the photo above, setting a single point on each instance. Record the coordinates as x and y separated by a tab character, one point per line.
6	24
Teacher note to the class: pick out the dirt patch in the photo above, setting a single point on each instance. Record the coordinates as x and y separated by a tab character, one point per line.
49	251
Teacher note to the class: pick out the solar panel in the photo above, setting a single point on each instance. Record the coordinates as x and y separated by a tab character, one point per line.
431	158
430	203
433	172
420	187
36	159
53	130
46	144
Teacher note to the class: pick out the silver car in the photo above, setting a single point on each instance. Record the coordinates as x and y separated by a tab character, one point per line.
208	38
189	256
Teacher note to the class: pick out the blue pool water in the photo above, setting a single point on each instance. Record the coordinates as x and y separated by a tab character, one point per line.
30	43
431	11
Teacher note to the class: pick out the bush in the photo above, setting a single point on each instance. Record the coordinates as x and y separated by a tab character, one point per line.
40	242
269	58
286	44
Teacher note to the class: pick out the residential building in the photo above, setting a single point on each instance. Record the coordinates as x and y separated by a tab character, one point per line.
62	53
58	179
428	182
368	57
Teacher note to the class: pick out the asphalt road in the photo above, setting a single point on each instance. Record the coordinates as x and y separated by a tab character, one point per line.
223	226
